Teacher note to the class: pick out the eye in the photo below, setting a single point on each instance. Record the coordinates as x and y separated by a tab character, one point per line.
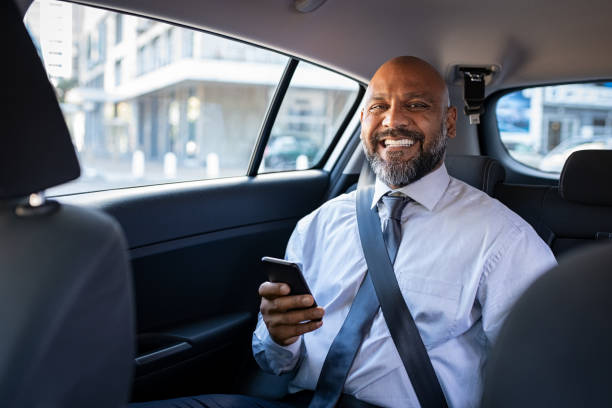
376	107
417	105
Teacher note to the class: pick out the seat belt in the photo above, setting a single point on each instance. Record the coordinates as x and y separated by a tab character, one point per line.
401	325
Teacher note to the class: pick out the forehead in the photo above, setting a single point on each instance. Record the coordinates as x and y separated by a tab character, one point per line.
406	82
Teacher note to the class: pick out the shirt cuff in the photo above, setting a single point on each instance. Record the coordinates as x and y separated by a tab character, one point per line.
293	348
273	357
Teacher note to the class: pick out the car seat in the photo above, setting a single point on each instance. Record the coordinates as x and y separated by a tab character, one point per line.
66	306
554	348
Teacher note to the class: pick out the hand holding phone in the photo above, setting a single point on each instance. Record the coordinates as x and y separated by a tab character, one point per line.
287	314
281	271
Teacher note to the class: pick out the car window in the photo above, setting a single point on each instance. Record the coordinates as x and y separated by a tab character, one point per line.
542	126
147	102
316	103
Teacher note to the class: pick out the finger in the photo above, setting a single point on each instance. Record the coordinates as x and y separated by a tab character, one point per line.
290	341
284	334
273	289
294	317
281	304
285	303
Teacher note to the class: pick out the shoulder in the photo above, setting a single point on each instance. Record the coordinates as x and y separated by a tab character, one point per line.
478	210
331	217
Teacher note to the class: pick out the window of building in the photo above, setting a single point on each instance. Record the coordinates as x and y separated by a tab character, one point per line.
167	54
542	126
97	82
149	60
88	48
166	119
118	28
156	53
140	60
187	45
102	41
118	72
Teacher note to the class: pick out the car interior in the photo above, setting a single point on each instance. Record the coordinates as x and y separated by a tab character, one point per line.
67	299
133	288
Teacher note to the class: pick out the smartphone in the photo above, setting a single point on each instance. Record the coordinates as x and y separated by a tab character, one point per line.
279	270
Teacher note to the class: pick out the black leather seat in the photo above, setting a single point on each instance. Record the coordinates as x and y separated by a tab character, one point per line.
66	306
576	213
554	348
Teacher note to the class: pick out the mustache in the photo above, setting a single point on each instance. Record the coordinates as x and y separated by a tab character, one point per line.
396	132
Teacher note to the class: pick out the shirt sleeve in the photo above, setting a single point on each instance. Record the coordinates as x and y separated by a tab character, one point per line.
519	260
272	357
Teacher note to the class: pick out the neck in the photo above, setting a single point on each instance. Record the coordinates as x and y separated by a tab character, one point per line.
436	167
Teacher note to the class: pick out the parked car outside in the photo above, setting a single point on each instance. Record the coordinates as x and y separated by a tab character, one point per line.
284	152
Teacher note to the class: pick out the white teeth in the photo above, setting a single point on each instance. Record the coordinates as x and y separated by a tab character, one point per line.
401	142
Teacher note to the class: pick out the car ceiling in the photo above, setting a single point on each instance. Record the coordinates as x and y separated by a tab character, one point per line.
533	41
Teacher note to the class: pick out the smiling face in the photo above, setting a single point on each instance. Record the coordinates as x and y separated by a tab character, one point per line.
406	121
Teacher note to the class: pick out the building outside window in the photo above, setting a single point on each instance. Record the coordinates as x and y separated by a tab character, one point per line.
118	73
187	44
118	28
163	110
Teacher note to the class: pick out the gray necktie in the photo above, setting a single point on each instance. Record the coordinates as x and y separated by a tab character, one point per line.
392	232
357	323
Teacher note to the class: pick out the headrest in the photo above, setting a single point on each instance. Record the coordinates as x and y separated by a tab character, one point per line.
554	347
36	151
481	172
586	177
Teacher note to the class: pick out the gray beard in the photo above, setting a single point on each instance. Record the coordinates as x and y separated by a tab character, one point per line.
397	172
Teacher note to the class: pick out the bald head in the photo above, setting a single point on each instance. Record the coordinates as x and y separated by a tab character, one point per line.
412	70
406	121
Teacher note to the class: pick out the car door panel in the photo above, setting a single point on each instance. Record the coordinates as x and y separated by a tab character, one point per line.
195	249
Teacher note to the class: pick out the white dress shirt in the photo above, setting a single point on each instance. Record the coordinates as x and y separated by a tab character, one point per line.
463	260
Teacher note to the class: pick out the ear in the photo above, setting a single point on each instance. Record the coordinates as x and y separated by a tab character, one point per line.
451	122
361	122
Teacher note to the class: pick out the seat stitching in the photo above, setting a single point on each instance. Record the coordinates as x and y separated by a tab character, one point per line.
486	180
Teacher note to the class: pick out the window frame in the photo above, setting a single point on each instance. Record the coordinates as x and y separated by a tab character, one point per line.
273	107
491	144
272	114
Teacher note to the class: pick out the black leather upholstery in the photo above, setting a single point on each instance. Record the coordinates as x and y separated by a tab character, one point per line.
66	302
36	152
481	172
66	310
585	177
564	225
554	348
577	213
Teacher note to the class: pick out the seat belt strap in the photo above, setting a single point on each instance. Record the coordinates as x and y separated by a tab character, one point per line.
401	325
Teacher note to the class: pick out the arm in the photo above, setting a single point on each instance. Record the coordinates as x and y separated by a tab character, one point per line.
520	259
277	343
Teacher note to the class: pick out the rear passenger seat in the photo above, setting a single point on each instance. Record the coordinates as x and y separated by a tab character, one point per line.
576	213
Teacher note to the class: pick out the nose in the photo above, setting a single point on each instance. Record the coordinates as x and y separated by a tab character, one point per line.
395	117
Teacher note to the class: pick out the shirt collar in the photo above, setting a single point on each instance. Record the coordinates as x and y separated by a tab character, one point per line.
426	191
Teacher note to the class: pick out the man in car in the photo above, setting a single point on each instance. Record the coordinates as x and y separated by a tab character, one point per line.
462	261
